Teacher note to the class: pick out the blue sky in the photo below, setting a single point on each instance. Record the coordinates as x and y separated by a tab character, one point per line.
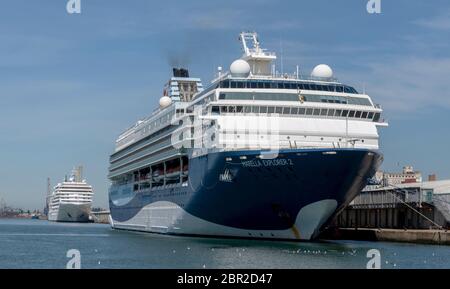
69	84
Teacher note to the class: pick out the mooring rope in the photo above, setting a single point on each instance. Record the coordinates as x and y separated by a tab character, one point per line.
409	206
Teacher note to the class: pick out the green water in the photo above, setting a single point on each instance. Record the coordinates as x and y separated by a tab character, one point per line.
42	244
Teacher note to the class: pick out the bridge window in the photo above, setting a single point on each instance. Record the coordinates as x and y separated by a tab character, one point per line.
377	117
284	85
295	97
324	112
215	110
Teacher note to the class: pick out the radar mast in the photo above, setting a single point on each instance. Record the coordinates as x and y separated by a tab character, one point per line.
259	59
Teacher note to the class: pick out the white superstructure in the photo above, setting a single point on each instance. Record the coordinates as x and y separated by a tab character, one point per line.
313	111
71	200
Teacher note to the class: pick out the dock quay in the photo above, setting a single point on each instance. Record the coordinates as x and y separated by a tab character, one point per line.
411	212
101	217
436	237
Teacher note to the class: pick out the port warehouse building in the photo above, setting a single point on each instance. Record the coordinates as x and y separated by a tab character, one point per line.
410	205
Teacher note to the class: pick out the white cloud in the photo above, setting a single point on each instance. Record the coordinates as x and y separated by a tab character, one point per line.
215	20
407	84
237	19
440	22
22	50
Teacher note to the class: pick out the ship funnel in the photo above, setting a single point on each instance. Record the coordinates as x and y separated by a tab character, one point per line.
180	72
181	87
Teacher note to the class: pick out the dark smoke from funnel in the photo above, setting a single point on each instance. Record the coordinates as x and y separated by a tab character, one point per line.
186	48
181	51
178	58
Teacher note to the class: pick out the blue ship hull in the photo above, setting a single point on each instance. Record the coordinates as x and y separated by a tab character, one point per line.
239	194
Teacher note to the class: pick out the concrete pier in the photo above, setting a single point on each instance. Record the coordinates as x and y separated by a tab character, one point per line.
437	237
410	212
399	216
100	217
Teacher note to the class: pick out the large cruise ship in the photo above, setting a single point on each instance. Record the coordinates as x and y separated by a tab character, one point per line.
256	154
71	200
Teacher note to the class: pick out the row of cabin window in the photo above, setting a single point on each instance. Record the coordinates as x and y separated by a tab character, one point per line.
295	97
297	111
162	120
286	85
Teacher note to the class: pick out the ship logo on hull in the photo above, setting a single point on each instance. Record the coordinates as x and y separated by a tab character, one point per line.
226	176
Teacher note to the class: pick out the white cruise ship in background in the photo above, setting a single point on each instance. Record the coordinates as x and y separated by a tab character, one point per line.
71	200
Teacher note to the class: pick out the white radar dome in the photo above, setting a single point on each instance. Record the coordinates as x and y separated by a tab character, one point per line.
240	68
322	70
165	101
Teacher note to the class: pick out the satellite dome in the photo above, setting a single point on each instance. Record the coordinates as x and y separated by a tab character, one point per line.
323	71
240	68
165	101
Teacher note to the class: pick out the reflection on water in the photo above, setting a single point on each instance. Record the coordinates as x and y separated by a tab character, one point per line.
42	244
